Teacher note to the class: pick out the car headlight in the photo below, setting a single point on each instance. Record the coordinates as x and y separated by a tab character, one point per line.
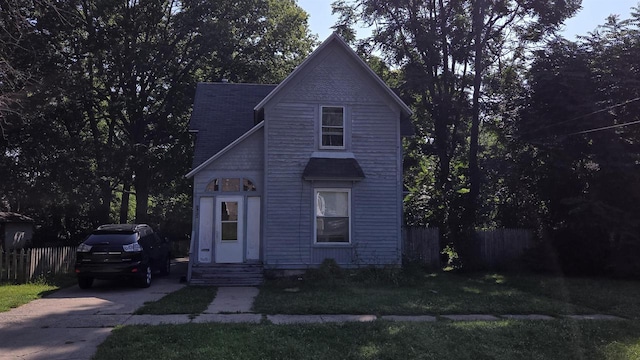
135	247
83	248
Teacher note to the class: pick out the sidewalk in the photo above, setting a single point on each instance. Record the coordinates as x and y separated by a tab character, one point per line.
233	305
282	319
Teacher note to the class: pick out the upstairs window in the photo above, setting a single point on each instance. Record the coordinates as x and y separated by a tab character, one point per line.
332	127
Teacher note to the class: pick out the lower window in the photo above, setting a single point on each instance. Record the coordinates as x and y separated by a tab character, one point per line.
333	215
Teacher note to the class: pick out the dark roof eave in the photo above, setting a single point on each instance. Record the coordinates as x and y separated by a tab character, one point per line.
333	169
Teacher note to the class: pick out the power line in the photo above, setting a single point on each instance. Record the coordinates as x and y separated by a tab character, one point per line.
605	128
583	116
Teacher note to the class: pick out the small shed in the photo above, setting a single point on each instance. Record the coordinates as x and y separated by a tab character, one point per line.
16	230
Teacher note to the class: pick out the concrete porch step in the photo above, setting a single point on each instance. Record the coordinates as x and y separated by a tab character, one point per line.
227	275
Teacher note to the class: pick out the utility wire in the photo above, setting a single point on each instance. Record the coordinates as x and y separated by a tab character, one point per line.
605	128
583	116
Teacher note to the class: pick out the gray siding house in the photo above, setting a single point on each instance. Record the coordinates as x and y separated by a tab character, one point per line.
287	176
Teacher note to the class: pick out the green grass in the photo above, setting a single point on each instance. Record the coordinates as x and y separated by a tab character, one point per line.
191	300
13	295
607	296
379	340
381	293
438	293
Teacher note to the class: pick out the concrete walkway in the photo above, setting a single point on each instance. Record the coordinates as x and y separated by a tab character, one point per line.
233	300
71	323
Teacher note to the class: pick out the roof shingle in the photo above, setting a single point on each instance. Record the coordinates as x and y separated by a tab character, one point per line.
223	112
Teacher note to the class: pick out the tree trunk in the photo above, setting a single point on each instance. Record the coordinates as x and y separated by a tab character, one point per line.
124	205
141	183
474	170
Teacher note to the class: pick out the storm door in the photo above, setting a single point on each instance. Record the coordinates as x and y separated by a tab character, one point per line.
229	229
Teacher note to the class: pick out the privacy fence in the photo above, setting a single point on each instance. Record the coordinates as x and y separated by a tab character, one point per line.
492	248
422	245
22	265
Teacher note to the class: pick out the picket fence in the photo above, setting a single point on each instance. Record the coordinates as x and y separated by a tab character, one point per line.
23	265
492	248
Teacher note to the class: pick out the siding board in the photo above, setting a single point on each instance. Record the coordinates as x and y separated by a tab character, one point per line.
291	125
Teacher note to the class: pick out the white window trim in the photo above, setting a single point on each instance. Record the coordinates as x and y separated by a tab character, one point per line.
315	216
344	129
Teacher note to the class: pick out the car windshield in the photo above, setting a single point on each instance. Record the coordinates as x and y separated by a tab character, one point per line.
112	239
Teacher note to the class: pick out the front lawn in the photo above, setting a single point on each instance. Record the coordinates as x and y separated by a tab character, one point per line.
382	293
559	339
12	295
436	293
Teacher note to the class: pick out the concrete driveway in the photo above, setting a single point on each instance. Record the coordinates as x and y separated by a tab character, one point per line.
71	323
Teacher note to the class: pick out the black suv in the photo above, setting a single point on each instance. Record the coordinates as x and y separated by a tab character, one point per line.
122	251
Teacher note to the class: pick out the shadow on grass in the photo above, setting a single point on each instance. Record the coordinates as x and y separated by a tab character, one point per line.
434	293
607	296
192	300
379	340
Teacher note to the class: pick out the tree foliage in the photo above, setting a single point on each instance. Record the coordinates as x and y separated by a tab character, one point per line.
106	115
581	135
445	51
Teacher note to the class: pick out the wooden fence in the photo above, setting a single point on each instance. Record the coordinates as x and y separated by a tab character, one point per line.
22	265
493	248
500	246
421	245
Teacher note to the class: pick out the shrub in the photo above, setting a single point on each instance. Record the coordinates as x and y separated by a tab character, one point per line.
328	273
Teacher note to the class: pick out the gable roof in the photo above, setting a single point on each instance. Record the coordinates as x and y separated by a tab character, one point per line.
335	38
11	217
222	113
225	150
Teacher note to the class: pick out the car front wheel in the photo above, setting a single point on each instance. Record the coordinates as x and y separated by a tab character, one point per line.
144	280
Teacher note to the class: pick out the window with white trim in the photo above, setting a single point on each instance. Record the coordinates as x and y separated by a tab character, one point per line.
333	216
332	127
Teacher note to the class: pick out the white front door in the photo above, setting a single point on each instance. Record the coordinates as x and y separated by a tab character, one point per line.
229	229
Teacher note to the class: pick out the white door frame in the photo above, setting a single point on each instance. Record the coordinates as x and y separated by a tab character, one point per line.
229	246
253	228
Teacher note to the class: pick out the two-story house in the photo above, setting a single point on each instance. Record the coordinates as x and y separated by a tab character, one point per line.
287	176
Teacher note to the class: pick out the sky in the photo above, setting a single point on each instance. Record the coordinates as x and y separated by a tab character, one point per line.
593	13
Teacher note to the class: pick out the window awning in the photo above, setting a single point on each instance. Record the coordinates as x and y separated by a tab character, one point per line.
333	169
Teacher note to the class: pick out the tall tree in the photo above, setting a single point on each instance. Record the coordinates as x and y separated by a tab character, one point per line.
582	132
117	84
156	49
443	48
